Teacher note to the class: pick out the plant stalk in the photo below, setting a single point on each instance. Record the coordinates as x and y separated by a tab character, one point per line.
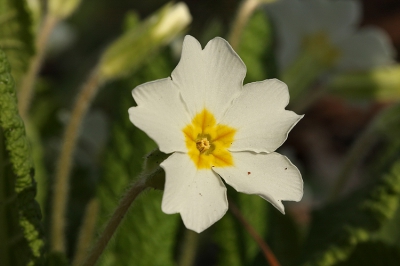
26	90
114	221
86	232
245	10
64	164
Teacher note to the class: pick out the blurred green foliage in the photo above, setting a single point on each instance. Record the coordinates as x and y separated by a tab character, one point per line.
360	228
338	228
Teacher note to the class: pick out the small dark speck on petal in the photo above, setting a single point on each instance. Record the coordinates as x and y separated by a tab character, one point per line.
248	173
200	194
285	168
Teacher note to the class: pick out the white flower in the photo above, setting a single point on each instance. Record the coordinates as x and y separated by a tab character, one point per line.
216	127
331	26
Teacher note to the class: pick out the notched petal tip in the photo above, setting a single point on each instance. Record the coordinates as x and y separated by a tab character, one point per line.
190	45
219	42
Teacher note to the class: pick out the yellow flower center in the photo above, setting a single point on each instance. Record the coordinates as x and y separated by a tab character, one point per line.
208	142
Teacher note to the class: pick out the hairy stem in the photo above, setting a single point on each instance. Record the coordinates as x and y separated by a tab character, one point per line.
25	93
114	221
268	254
243	15
64	164
86	232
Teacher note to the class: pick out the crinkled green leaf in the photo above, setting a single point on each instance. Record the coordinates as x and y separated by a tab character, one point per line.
337	229
16	38
20	214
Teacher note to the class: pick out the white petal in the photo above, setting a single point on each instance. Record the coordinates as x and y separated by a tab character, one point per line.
198	195
337	18
271	176
260	117
367	48
295	20
160	113
209	78
289	20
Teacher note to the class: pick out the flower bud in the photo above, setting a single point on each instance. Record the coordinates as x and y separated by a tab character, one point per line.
126	53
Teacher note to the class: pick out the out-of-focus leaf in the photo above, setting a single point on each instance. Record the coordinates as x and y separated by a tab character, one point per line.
390	232
382	84
256	48
284	238
20	229
387	152
372	254
15	36
255	210
337	229
62	8
236	246
147	235
229	241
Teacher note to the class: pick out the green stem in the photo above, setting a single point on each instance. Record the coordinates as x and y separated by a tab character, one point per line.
64	164
112	225
243	15
25	93
86	232
190	245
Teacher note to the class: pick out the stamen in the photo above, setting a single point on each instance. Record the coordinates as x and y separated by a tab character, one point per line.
202	144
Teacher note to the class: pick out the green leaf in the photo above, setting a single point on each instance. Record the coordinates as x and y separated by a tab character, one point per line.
337	229
256	48
16	38
284	238
20	229
255	211
228	237
236	245
373	253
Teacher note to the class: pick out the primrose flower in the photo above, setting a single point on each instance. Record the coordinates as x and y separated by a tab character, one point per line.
216	127
329	31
